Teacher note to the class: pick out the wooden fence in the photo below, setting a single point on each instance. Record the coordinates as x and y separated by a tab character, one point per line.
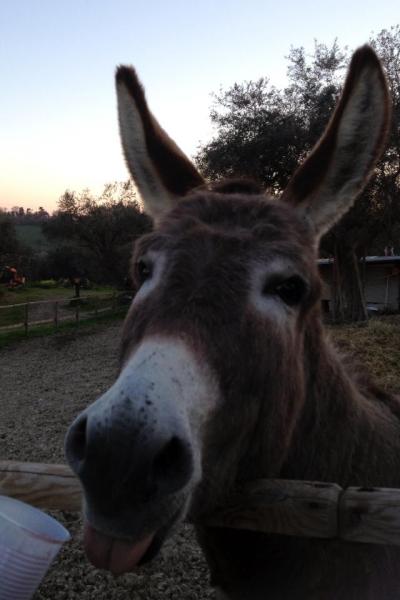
55	312
297	508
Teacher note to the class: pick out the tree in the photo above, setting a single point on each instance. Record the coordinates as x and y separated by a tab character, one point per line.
374	221
9	245
387	181
315	85
264	133
102	230
259	136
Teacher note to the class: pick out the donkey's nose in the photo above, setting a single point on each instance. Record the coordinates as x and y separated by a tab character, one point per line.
75	447
172	465
119	454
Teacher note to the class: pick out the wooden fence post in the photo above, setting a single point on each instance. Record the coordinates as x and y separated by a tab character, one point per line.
77	313
26	318
56	314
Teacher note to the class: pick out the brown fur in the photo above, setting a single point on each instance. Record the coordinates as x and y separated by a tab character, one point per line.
289	407
293	410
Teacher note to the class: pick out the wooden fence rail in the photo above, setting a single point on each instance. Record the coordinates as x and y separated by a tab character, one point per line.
45	486
298	508
71	313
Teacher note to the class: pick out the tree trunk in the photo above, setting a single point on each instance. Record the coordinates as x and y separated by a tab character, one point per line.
348	291
398	287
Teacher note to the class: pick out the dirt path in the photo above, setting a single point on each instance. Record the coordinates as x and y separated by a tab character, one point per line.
44	383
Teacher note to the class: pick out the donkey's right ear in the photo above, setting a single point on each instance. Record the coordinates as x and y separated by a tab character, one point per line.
326	185
161	171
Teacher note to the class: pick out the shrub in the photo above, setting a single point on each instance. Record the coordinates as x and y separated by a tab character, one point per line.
45	284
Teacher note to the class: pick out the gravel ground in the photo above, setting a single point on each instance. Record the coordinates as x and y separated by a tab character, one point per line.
45	382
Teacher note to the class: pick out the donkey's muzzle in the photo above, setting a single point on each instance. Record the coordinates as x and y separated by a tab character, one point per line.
126	453
137	449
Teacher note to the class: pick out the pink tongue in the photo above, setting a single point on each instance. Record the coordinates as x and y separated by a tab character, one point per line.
118	556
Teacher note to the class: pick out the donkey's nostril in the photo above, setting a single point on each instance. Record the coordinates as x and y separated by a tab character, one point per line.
172	465
169	455
76	441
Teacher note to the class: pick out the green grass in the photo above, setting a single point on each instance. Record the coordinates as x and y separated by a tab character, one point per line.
34	294
9	316
90	303
376	348
87	326
12	303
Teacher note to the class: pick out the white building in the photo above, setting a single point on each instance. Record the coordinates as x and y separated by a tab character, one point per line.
381	279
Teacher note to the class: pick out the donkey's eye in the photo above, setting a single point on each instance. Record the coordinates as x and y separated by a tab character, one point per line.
291	290
143	270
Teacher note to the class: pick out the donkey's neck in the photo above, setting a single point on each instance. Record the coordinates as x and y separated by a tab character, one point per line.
346	432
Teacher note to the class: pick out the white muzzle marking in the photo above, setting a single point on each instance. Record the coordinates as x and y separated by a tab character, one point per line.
164	385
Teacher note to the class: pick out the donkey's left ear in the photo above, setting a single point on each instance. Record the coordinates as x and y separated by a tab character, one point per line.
326	185
161	171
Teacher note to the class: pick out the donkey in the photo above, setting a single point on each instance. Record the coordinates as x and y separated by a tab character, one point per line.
226	373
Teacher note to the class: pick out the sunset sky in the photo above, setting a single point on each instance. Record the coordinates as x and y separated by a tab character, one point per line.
58	126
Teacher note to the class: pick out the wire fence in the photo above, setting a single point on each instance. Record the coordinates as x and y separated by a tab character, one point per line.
56	312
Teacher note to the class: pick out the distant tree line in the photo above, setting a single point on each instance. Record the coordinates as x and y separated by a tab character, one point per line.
13	251
95	235
9	245
21	216
88	237
263	132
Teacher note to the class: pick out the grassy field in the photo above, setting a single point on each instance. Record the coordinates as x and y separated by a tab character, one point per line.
36	294
41	304
376	348
86	326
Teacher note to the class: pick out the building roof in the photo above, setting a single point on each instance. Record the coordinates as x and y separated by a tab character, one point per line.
376	260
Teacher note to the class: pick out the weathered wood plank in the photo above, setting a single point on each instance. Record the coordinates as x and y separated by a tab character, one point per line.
277	506
299	508
370	515
42	485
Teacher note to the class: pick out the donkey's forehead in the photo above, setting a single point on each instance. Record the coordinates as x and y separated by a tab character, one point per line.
252	217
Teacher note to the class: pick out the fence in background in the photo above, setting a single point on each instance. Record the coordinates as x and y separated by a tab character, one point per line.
55	312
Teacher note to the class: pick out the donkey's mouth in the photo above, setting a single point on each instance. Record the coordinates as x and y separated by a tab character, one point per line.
115	554
121	555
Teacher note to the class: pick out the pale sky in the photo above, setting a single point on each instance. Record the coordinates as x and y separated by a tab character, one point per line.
58	125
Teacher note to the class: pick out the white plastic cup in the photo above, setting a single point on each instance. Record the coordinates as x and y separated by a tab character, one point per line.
29	541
